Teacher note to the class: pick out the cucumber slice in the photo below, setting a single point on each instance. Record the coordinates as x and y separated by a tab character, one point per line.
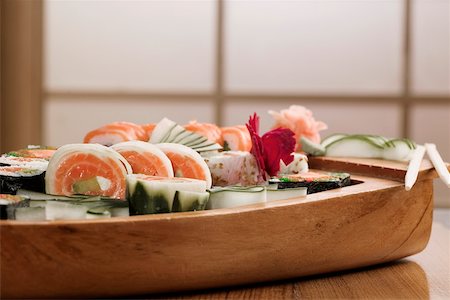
98	212
189	201
151	194
167	131
30	214
401	150
331	138
162	130
182	136
58	210
275	194
213	147
354	147
174	133
193	139
95	184
234	196
312	148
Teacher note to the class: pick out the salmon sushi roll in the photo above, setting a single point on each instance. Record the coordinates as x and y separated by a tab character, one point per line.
208	130
145	158
148	128
37	152
116	132
236	138
13	178
186	162
87	169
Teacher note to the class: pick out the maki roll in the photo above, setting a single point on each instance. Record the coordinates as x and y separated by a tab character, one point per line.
87	169
145	158
9	203
33	156
154	194
13	178
314	181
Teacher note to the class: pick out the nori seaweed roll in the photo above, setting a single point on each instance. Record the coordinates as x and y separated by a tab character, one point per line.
33	156
13	178
9	203
314	181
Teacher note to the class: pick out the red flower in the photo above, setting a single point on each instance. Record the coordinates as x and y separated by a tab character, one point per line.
275	145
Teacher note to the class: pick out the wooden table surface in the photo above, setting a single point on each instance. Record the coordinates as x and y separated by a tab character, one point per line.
422	276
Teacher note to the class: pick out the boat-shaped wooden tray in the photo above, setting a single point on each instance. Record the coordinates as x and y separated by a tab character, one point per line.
371	222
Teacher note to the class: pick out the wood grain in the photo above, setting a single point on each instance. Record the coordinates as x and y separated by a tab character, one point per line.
21	68
365	224
422	276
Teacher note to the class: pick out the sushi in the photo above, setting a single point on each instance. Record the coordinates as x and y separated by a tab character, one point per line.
13	178
186	162
153	194
208	130
315	181
116	132
233	168
87	169
145	158
236	138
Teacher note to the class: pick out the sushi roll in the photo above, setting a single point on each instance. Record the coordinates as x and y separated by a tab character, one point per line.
87	169
145	158
34	151
9	204
149	129
153	194
234	168
208	130
236	138
116	132
13	178
314	181
186	162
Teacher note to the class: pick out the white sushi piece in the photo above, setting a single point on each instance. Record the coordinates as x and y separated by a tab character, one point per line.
30	214
150	154
58	210
233	168
154	194
234	196
298	165
26	162
58	164
186	160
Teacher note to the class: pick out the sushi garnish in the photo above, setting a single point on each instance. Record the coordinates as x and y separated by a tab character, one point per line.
275	145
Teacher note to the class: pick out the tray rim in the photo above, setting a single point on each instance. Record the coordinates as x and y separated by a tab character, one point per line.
366	185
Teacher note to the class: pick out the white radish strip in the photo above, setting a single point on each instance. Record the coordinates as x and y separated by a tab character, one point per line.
438	163
413	167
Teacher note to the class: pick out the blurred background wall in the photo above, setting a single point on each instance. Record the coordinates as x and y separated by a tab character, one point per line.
379	67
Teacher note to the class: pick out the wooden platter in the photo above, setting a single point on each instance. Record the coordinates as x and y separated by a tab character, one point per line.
371	222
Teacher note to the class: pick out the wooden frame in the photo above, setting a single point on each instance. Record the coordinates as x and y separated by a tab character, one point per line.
21	68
